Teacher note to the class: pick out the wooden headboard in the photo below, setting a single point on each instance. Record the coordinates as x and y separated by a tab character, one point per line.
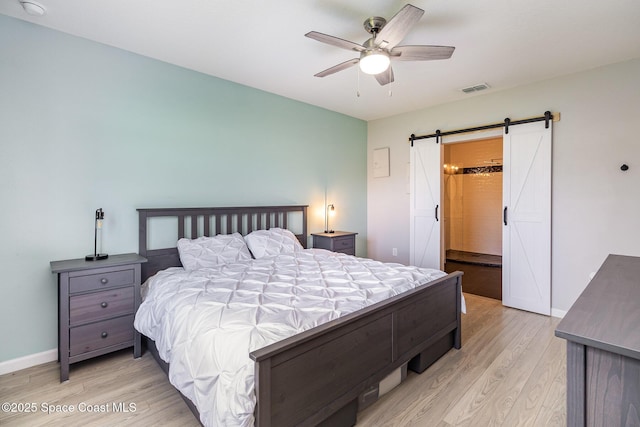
210	222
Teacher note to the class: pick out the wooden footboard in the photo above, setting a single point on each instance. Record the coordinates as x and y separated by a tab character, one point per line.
319	374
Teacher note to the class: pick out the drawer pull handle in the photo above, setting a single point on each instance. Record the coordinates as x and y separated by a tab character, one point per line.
104	304
104	280
104	335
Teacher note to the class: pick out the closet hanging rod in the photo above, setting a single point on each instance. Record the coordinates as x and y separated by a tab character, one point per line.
548	116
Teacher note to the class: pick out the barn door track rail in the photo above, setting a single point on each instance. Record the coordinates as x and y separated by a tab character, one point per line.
546	118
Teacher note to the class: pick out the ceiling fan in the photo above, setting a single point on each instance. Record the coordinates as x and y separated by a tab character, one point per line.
378	51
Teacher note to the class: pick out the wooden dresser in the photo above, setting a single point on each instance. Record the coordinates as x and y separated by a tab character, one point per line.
338	241
602	330
97	301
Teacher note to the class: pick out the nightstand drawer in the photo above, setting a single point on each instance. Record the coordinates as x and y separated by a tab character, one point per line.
343	243
348	251
101	280
95	336
100	305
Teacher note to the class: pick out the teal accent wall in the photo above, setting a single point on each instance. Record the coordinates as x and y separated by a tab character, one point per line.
84	126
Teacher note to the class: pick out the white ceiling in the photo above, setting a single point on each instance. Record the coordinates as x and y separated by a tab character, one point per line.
261	44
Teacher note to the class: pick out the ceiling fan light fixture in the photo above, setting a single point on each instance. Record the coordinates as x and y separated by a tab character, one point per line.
382	46
374	61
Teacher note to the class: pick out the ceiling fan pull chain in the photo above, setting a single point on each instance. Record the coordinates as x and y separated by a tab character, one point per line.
358	91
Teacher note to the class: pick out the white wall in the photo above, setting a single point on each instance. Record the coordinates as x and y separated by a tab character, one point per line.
596	207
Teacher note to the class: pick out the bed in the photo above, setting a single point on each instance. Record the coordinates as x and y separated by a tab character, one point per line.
321	375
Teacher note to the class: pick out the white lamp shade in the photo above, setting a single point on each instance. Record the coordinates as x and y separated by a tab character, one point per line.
374	62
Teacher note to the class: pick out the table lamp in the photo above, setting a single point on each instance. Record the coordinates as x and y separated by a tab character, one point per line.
97	228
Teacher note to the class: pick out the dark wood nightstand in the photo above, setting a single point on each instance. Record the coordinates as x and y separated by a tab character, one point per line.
97	301
338	241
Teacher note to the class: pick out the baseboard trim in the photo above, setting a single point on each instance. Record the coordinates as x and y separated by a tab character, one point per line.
558	313
28	361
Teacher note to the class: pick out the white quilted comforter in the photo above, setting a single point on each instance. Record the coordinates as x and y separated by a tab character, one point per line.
206	322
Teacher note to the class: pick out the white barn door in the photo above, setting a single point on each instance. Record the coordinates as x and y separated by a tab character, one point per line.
426	210
526	237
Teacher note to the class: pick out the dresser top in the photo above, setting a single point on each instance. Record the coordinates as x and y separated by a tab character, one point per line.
607	314
81	264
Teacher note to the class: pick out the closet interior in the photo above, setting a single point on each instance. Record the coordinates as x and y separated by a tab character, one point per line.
472	214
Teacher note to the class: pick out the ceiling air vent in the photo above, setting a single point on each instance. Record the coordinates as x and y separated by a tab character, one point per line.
476	88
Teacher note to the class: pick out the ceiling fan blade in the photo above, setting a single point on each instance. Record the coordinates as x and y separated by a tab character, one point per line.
334	41
339	67
398	26
421	53
385	77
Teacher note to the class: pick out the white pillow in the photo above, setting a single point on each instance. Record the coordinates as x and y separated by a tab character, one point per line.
211	251
272	242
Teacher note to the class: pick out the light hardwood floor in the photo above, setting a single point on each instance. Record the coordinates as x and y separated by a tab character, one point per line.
509	372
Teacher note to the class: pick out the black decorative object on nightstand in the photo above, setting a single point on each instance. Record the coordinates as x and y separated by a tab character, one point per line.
336	241
97	301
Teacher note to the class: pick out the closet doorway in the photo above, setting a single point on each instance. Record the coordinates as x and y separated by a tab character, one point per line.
472	214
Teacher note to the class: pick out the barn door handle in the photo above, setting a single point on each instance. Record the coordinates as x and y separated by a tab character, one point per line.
437	206
504	215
